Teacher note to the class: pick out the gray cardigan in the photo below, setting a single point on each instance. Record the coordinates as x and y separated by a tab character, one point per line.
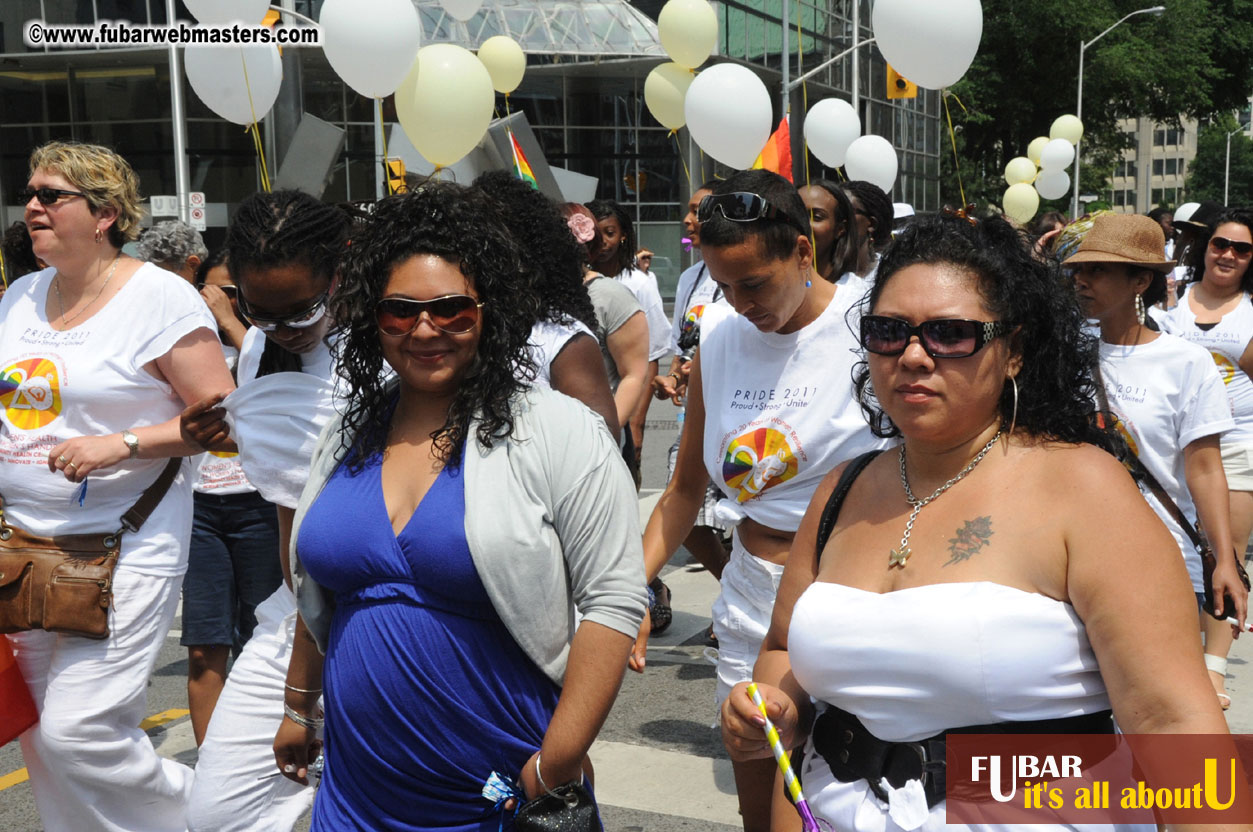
552	522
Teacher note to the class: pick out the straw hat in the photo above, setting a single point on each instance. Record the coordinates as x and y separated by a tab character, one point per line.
1123	238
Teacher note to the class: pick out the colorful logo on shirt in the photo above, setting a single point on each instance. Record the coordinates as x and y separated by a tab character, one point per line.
1226	367
30	391
1128	432
223	454
757	460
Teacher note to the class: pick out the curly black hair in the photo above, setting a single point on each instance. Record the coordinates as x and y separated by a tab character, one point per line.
550	255
1196	252
279	229
877	206
462	226
625	255
1055	387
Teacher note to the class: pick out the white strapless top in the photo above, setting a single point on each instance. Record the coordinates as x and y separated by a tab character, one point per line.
918	661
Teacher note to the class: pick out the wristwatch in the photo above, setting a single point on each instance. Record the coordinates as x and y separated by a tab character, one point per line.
132	442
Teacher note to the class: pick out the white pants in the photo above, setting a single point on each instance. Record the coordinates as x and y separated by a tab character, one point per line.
238	786
741	614
91	767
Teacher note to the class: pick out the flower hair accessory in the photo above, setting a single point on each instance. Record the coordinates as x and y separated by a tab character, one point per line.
582	227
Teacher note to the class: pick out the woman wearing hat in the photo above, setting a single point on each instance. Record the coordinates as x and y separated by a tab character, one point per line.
1216	313
1165	392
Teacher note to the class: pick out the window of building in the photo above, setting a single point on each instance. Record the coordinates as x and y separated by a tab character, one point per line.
1158	166
1172	167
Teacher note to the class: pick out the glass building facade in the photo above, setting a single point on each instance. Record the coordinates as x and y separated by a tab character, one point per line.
583	95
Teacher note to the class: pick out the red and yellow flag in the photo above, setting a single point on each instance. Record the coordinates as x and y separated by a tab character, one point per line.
520	165
17	709
776	156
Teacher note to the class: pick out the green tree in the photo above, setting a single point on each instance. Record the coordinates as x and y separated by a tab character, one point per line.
1196	59
1207	172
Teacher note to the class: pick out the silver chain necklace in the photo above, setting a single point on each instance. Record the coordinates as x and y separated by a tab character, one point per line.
898	557
56	284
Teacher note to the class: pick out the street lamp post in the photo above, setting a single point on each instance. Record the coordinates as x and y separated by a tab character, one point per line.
1079	102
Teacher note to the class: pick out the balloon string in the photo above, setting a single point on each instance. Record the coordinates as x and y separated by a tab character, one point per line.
4	275
506	105
435	173
256	134
800	67
953	138
679	146
387	171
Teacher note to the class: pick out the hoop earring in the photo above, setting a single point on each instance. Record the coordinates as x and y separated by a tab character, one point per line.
1013	421
1140	309
99	236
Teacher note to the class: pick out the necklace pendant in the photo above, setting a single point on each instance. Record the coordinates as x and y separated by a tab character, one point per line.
897	557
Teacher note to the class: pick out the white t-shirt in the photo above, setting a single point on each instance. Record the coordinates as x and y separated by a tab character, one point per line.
695	291
1166	394
91	381
1226	342
316	362
780	410
644	287
546	342
220	472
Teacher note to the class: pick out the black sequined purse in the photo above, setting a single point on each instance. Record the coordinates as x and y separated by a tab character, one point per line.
568	808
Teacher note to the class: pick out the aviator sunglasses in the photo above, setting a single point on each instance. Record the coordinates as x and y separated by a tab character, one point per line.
944	338
303	319
46	196
1221	244
453	314
743	206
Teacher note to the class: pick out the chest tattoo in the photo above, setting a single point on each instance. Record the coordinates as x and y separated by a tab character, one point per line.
969	539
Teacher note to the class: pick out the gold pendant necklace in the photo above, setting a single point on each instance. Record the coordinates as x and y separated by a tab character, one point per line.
56	284
899	557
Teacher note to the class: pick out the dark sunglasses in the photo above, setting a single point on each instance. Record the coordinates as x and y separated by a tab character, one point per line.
1221	244
453	314
945	338
303	319
228	289
743	206
46	196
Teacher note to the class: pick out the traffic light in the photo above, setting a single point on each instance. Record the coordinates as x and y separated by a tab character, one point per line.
900	86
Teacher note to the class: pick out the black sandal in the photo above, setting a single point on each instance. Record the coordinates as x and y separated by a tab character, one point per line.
659	611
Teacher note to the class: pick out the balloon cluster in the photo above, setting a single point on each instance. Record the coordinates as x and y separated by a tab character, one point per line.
1042	172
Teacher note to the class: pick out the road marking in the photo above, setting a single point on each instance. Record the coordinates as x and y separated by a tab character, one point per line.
15	778
654	780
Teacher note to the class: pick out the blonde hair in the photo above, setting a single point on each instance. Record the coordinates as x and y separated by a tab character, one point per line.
105	177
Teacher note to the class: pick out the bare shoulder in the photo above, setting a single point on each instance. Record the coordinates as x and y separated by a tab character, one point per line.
1082	478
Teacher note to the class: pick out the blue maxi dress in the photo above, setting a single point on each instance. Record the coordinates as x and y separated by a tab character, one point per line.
426	692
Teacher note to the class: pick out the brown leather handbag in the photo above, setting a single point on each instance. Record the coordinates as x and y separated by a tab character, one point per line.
64	584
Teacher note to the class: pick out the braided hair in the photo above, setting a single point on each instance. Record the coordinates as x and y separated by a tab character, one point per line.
284	228
551	257
625	255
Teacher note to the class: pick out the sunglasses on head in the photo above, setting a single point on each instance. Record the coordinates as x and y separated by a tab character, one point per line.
743	206
453	314
228	289
46	196
303	319
943	338
1221	244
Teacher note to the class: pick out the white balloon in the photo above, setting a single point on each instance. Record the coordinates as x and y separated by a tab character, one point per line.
371	43
831	126
462	10
211	12
505	62
1056	155
930	42
873	159
728	114
216	74
1053	184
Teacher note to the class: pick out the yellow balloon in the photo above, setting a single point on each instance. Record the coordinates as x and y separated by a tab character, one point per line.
688	30
445	102
1020	202
1036	148
505	62
1020	169
1067	127
665	89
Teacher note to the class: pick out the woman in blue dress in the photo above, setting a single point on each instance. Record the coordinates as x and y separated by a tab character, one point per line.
453	521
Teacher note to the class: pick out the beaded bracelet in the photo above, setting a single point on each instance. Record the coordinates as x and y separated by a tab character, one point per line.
300	719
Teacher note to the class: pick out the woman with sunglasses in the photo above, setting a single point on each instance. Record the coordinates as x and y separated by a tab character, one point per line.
837	233
966	577
283	254
1165	393
1216	313
100	353
439	624
770	410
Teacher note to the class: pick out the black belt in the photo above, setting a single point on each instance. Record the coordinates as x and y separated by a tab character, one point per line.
853	753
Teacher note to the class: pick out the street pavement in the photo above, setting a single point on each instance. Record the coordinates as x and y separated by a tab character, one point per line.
659	760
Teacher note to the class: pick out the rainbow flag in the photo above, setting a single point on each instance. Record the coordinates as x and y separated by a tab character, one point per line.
776	156
520	165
